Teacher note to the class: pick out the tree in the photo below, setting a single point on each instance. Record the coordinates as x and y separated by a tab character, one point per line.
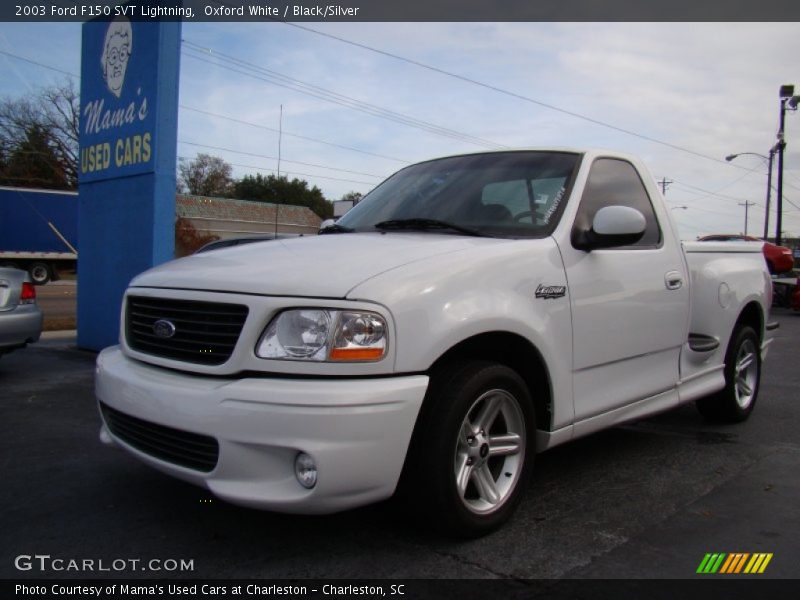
34	163
188	240
354	196
39	138
206	175
281	190
3	156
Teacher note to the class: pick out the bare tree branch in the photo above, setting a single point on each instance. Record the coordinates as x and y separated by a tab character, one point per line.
39	137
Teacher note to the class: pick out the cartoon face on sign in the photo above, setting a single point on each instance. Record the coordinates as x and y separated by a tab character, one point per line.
116	51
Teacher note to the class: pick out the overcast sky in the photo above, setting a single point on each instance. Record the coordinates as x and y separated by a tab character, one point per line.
711	89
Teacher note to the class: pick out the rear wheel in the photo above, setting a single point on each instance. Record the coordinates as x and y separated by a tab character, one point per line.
40	273
736	401
472	452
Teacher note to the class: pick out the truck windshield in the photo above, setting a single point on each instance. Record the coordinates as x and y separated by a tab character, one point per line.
499	194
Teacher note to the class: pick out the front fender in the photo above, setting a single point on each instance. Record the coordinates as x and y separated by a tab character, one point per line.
451	298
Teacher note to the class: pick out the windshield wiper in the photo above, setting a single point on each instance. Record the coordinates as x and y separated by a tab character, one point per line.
425	225
336	229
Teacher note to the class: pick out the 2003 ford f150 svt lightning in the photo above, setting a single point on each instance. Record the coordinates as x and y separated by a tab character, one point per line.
469	312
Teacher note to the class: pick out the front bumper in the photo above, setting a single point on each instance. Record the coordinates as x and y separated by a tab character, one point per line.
20	326
357	430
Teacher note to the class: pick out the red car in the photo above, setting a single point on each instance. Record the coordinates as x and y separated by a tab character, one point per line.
779	258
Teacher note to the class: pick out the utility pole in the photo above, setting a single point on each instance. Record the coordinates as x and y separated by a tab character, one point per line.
769	160
788	99
781	147
280	136
747	204
664	183
772	152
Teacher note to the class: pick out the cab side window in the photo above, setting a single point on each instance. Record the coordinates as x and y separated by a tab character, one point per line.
615	182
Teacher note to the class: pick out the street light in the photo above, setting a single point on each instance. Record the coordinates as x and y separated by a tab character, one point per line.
730	157
788	102
772	151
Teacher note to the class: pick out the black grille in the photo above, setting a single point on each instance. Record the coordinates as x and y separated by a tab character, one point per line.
190	450
205	332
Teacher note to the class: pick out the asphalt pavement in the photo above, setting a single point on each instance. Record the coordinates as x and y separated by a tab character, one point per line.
647	500
58	302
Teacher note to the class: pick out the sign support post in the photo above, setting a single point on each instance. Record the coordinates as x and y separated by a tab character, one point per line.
128	146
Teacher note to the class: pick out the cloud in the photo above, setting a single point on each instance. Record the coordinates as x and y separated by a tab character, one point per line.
708	87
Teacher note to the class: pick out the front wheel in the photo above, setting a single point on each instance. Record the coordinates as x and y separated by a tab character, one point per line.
736	401
472	451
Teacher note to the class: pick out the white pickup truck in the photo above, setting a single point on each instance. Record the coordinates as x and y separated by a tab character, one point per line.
469	312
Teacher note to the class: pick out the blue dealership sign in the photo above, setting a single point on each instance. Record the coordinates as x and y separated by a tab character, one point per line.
126	181
118	90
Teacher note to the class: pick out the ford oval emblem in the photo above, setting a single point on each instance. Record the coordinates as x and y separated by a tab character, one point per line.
163	328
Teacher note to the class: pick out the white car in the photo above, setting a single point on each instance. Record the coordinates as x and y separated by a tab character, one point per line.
20	317
469	312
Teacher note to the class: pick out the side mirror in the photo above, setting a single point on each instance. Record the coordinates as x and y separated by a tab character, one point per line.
326	223
613	226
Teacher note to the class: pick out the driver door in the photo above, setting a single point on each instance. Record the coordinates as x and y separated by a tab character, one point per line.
628	325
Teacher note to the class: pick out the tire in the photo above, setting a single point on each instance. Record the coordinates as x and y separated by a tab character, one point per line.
736	401
471	455
40	273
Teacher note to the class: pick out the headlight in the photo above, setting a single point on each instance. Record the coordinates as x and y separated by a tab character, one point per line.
324	335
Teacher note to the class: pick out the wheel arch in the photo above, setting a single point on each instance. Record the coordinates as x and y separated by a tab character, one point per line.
725	405
517	353
752	315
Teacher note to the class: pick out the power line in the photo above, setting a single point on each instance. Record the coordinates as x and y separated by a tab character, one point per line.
38	64
416	63
747	206
262	73
296	162
711	212
295	135
724	187
341	146
257	168
729	214
709	192
421	124
511	94
792	175
371	184
347	102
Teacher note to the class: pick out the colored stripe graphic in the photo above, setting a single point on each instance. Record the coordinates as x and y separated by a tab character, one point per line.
758	563
732	558
734	563
711	563
742	560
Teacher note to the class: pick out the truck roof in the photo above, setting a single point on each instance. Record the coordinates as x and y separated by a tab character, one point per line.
561	149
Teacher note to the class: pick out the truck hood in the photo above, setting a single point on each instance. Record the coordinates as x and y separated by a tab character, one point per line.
326	266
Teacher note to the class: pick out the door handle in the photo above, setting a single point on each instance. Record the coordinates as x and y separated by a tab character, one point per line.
673	280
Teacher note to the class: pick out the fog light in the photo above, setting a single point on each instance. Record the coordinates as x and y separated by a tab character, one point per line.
305	469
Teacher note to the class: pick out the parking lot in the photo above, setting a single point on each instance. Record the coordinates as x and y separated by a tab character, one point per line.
645	500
